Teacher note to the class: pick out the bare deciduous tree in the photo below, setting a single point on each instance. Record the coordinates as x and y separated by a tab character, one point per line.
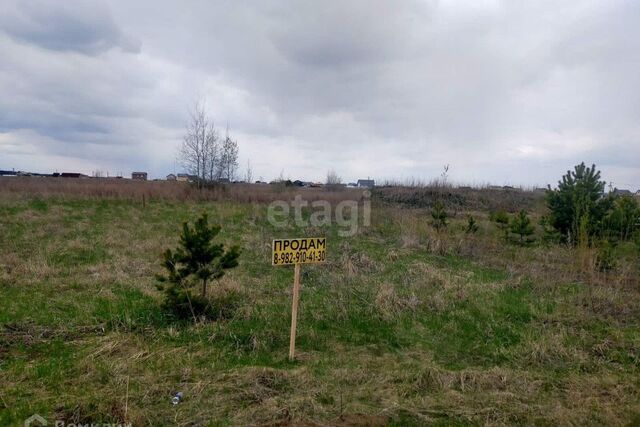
249	173
333	178
203	154
213	154
200	151
228	158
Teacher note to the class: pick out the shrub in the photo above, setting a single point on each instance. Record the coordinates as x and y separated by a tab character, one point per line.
636	239
521	225
605	258
196	261
438	216
580	194
549	233
624	219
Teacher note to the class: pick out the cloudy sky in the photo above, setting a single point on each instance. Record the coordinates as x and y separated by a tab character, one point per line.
504	92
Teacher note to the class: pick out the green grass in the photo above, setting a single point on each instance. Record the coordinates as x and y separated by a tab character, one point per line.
416	338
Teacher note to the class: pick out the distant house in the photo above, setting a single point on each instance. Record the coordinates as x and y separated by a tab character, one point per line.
366	183
171	177
141	176
73	175
618	192
185	177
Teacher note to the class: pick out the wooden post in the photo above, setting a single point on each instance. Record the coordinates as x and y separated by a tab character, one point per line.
294	311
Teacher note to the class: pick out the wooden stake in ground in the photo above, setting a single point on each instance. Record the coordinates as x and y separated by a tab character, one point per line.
294	311
306	250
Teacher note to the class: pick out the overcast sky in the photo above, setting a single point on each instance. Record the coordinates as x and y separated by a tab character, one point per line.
510	92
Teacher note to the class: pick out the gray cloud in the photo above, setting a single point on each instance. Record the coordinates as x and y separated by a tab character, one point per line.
85	27
504	92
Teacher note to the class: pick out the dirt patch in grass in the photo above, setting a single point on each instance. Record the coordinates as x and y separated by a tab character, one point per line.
29	334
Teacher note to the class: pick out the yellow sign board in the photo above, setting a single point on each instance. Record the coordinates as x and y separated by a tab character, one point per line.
308	250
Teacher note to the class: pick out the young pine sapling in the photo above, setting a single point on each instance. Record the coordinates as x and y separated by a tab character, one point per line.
521	225
438	216
472	226
195	262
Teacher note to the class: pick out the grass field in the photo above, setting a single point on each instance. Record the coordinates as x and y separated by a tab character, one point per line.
402	325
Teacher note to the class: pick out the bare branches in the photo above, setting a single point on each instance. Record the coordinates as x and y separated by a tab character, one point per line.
249	173
228	158
193	153
333	178
202	153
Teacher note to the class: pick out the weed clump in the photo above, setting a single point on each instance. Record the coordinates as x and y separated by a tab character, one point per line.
605	257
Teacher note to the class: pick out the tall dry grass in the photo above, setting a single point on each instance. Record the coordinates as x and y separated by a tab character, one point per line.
612	294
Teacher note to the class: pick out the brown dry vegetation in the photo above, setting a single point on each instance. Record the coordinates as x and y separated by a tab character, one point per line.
112	188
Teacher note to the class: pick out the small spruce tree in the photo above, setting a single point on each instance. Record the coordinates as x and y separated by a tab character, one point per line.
438	216
472	226
521	225
195	262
